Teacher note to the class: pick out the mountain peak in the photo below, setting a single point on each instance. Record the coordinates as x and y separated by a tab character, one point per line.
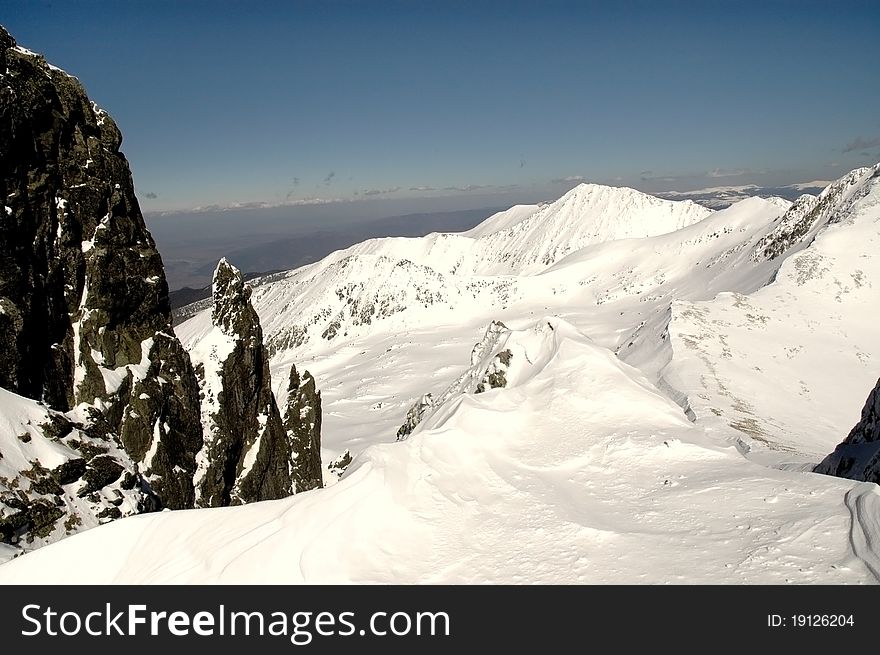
6	39
590	193
232	309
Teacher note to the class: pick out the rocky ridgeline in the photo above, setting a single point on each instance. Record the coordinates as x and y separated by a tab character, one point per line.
799	224
858	456
86	332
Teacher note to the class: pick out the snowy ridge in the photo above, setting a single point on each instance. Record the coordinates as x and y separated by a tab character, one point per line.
501	221
485	362
588	214
526	239
377	279
809	214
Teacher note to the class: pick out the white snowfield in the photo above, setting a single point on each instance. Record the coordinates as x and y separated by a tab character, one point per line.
669	384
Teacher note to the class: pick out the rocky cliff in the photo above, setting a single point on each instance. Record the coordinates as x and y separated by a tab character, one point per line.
858	456
103	416
85	321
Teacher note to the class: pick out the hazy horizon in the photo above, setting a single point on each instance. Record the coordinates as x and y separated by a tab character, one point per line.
441	105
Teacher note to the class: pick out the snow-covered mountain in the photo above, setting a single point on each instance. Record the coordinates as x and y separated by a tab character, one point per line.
651	384
392	282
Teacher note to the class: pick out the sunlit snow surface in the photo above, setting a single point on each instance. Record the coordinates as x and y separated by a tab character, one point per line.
588	466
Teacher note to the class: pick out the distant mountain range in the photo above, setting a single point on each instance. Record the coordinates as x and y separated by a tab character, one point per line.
723	196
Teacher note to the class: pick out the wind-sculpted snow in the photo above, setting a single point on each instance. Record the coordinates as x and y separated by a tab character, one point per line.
578	471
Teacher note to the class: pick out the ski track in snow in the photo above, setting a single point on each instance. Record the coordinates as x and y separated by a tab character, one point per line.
863	502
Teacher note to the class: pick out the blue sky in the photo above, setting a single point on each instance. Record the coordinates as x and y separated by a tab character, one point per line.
243	102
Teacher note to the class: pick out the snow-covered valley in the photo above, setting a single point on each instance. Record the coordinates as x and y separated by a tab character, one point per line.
663	380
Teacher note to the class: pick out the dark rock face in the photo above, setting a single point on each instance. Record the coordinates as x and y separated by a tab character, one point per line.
808	213
858	456
302	423
414	416
495	376
84	315
246	456
339	465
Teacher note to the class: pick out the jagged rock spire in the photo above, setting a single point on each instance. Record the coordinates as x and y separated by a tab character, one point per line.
302	423
232	311
246	453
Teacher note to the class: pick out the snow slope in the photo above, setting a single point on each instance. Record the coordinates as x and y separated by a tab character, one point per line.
602	459
526	239
378	279
501	221
380	330
784	370
600	477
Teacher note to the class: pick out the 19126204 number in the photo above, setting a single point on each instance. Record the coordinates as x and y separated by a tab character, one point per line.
822	620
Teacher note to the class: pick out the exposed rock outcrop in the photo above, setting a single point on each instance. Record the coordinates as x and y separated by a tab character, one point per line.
59	475
246	454
490	361
339	465
858	456
414	415
798	226
495	376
